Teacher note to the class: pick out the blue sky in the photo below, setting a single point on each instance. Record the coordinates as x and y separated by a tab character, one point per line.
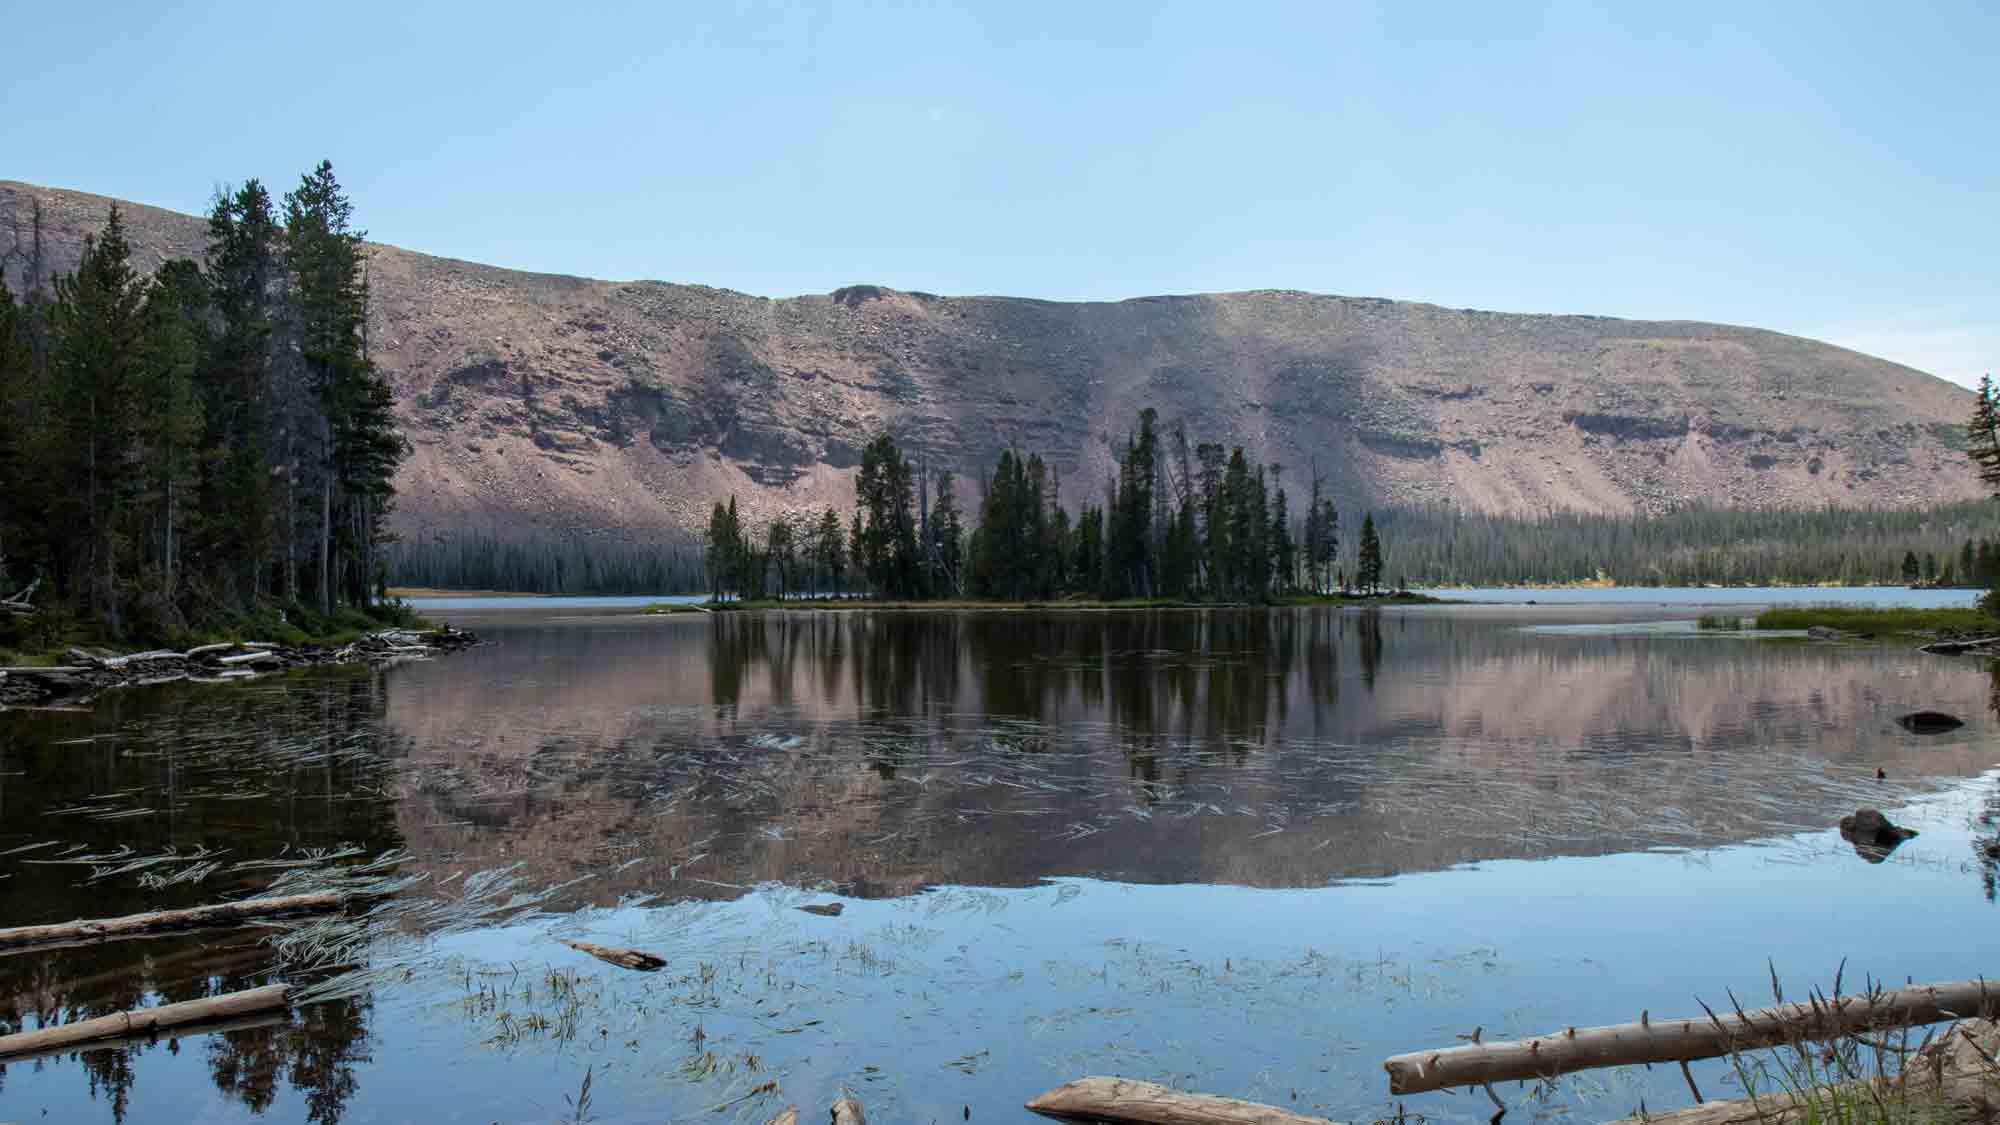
1828	169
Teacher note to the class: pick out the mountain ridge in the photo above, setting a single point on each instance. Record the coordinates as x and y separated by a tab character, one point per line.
625	408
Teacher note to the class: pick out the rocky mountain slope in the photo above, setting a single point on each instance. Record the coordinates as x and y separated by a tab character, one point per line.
573	405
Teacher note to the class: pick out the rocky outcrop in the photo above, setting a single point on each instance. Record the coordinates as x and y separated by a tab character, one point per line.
573	405
1872	834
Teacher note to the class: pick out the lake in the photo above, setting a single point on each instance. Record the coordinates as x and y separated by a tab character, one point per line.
1248	852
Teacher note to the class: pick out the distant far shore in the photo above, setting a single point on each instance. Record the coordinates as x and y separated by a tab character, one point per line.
1398	597
432	592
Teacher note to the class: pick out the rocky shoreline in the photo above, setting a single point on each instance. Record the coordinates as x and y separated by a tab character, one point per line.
90	672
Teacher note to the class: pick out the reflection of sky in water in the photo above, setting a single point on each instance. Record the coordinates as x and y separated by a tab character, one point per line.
1125	759
978	997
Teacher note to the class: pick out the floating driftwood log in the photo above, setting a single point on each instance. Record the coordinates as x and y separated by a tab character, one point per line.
623	958
200	917
1680	1040
847	1111
144	1020
1144	1103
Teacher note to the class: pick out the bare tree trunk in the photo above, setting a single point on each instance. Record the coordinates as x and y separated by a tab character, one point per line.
291	516
146	1019
199	917
326	514
169	553
1672	1040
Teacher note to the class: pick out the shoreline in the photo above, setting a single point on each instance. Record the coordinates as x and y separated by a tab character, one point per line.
975	605
88	674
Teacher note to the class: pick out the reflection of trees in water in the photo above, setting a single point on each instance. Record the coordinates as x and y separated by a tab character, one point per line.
1224	675
898	663
247	774
1368	635
316	1055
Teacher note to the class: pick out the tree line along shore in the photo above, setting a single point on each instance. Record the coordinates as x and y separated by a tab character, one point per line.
206	451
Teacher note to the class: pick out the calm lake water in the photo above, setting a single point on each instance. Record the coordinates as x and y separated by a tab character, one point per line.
1242	851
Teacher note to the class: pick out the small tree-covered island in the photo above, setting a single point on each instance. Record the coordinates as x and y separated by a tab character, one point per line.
1190	526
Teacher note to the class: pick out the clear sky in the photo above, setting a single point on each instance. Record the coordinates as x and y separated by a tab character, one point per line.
1825	168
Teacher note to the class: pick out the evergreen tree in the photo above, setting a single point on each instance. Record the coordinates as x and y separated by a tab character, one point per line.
1309	540
1327	549
1983	433
238	393
887	551
96	350
832	556
1368	563
713	549
782	550
329	307
176	339
1214	501
1910	568
1283	550
947	538
1089	564
22	503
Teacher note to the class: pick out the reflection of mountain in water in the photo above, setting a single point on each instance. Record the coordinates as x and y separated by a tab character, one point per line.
887	752
890	751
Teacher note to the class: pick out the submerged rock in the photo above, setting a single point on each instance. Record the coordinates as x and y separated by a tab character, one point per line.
1929	722
1872	834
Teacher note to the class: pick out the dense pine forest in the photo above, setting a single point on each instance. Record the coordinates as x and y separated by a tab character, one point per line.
199	448
1953	544
541	563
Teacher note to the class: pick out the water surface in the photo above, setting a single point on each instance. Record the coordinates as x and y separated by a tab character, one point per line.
1245	851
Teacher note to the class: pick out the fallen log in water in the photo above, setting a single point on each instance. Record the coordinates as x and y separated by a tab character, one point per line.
847	1111
1679	1040
1144	1103
200	917
204	1027
1954	1078
624	958
144	1020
